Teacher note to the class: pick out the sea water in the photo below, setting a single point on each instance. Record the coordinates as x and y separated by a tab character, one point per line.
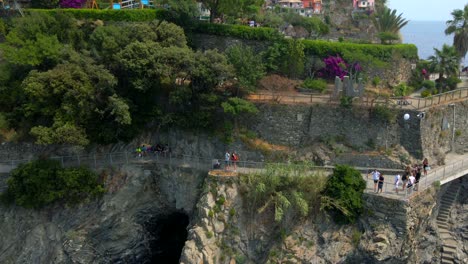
426	35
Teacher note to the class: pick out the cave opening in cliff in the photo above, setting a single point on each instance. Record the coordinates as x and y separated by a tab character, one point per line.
169	234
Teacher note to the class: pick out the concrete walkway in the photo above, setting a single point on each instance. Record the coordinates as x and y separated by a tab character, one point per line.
456	167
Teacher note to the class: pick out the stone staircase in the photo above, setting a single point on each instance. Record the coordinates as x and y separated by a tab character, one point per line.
449	245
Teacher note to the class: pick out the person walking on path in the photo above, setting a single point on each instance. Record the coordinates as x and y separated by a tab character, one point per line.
227	160
411	181
234	159
425	166
381	182
405	176
397	182
418	176
375	177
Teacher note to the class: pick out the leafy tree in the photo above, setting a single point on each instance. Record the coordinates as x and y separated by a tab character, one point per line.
249	66
242	9
294	61
42	50
182	11
444	62
62	101
238	8
236	107
388	23
343	193
42	182
458	26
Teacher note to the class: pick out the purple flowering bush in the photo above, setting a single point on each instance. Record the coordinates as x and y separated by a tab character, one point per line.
72	3
334	66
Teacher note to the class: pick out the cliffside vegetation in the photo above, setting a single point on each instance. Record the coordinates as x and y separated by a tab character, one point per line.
42	182
78	81
293	192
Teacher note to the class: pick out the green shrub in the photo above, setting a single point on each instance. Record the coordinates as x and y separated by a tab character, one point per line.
319	85
221	200
343	194
133	15
426	93
289	191
42	182
428	84
240	259
238	31
452	82
3	121
346	101
402	90
322	49
376	80
356	237
385	113
232	212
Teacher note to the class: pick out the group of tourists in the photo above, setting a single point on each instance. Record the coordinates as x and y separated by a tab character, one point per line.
231	160
409	180
144	150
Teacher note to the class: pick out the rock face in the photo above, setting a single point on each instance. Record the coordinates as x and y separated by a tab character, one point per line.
391	231
113	229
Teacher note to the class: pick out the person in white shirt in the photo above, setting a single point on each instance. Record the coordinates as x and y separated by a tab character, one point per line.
375	177
397	182
411	181
227	160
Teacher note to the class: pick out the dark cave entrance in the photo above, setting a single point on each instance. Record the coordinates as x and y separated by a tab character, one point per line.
169	234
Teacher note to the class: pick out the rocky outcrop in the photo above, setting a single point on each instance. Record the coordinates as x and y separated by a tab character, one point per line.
391	231
225	231
112	229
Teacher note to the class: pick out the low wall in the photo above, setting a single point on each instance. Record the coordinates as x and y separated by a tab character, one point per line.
443	132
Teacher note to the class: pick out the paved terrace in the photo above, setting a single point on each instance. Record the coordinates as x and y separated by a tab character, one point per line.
456	167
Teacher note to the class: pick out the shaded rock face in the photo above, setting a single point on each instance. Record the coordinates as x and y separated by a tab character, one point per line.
169	235
133	223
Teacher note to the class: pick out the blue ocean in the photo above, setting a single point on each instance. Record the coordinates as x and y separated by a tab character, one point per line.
426	35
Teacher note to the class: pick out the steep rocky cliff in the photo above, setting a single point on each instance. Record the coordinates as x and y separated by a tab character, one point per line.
125	226
391	231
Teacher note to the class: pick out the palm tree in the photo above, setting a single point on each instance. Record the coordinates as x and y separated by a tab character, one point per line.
444	62
388	23
459	27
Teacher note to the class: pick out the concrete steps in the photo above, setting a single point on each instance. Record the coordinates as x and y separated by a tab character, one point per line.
449	245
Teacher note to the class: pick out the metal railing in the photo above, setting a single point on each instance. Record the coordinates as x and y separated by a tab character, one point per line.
97	161
438	174
402	102
119	158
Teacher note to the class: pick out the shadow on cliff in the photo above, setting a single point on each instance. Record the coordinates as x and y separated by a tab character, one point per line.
169	233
